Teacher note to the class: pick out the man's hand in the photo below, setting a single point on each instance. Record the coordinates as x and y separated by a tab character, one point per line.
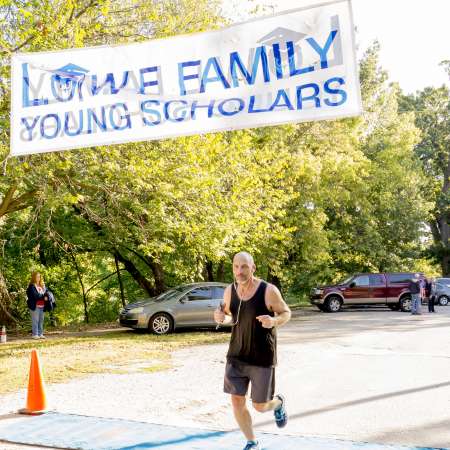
267	321
219	315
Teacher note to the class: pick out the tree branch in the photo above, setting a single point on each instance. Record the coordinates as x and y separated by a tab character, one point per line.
7	199
21	202
103	279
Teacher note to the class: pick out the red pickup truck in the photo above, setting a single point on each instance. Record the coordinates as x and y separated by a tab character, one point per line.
390	289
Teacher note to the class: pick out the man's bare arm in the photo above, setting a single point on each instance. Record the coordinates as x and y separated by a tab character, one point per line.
227	301
275	303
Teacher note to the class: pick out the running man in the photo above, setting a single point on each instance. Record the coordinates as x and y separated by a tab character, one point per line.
257	308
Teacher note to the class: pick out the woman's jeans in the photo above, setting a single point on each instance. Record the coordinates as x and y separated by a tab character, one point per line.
416	303
37	321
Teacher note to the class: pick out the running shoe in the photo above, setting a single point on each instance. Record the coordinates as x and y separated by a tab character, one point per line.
280	413
252	445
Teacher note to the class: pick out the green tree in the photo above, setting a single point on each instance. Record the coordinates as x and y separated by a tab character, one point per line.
359	205
36	26
432	111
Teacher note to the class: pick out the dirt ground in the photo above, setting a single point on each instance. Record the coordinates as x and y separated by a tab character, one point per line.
367	374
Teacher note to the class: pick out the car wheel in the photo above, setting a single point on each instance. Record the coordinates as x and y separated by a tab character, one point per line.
405	304
333	304
443	300
161	323
394	306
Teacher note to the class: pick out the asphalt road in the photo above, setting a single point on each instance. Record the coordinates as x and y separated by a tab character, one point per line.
370	374
367	374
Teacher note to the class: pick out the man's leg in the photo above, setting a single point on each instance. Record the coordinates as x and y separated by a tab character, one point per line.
267	406
263	387
277	406
242	416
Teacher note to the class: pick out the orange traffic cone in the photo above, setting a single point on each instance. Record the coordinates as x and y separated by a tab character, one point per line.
36	401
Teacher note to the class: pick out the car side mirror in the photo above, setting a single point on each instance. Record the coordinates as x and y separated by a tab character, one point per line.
182	300
352	284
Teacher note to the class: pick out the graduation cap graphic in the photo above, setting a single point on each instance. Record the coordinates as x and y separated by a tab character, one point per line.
66	78
281	34
278	36
71	71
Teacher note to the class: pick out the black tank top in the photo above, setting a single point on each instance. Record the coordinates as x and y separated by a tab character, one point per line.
251	343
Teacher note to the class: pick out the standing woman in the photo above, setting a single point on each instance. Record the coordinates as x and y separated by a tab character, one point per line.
36	302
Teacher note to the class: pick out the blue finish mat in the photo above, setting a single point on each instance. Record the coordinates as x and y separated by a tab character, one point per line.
94	433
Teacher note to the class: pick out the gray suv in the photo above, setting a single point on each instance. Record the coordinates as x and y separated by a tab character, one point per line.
441	290
188	305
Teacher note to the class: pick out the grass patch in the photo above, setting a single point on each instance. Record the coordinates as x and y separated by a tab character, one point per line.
297	300
25	330
65	358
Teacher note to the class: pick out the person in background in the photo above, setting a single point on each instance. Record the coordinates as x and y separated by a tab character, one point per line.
36	299
423	295
416	291
430	292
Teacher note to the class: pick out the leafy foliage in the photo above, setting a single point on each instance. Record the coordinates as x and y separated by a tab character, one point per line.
311	201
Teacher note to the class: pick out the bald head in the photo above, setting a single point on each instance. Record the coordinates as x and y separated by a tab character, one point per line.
244	256
243	267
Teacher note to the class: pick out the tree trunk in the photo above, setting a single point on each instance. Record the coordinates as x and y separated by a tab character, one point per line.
209	270
440	231
129	266
119	277
136	274
272	278
445	266
444	229
80	279
220	272
158	274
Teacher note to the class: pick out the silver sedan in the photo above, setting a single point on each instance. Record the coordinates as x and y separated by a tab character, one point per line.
441	291
188	305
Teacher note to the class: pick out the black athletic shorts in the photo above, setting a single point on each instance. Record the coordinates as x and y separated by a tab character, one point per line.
238	376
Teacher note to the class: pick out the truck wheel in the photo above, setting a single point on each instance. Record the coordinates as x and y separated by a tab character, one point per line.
405	303
443	300
161	323
394	306
333	304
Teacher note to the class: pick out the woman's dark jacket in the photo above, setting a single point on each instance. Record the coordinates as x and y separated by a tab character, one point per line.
33	296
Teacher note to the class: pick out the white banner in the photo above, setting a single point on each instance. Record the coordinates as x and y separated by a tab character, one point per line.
296	66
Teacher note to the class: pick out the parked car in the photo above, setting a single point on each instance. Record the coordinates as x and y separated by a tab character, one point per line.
189	305
441	291
390	289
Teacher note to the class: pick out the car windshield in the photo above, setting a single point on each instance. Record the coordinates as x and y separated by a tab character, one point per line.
345	280
169	294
